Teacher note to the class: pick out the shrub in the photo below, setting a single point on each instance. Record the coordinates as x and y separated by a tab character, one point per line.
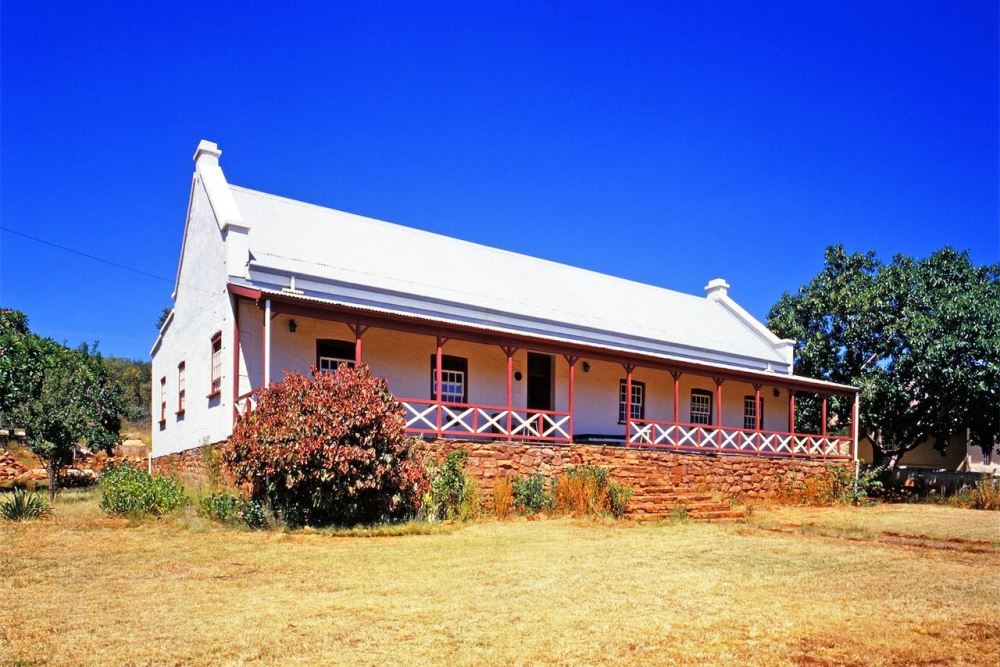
619	496
22	506
131	491
328	449
503	498
234	510
530	495
985	495
581	490
453	494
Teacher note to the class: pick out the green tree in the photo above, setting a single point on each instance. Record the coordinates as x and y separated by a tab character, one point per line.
921	337
63	397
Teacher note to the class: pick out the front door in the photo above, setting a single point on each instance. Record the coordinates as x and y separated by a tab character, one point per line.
539	381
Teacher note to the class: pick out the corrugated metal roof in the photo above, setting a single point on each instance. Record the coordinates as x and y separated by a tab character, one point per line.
304	239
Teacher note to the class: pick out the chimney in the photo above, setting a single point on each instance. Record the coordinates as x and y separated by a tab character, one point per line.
716	289
208	152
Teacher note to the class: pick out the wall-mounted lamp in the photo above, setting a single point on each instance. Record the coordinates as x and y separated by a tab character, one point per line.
292	326
518	376
586	367
777	393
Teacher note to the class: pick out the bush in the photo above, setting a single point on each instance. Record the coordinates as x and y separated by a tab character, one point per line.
453	493
985	495
581	490
530	495
503	498
619	497
234	510
328	449
22	506
131	491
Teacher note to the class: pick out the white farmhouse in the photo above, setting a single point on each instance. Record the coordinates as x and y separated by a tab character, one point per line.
526	349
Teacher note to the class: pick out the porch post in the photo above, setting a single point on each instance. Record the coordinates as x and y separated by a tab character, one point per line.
236	359
856	430
437	383
571	360
358	330
267	342
823	418
756	414
509	351
791	411
718	412
677	395
628	403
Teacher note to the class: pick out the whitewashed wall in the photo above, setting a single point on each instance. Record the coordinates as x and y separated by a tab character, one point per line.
201	308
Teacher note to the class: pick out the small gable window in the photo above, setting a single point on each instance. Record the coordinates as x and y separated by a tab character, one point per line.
163	401
216	364
180	388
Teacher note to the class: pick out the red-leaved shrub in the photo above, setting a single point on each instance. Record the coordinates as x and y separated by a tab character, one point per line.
328	449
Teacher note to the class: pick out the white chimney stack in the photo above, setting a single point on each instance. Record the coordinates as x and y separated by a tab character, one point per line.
208	152
716	289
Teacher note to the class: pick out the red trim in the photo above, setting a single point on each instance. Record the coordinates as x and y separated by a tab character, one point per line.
438	385
791	410
823	417
677	394
236	356
288	305
245	292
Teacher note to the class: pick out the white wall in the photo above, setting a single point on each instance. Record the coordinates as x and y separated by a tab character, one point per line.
201	308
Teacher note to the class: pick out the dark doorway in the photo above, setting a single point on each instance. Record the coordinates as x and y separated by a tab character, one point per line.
539	381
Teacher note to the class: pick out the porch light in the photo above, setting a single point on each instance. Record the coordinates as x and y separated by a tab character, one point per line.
292	326
586	367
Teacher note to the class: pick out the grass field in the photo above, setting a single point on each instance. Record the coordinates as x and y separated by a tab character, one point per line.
84	589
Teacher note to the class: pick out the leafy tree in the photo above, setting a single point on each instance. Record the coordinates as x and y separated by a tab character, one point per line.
164	314
135	379
921	337
62	397
330	448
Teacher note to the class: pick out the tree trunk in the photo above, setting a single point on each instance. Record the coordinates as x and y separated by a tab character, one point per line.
53	470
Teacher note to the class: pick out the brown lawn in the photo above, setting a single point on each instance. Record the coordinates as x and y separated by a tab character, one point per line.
84	589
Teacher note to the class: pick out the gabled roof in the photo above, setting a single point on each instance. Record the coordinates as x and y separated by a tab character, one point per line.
353	259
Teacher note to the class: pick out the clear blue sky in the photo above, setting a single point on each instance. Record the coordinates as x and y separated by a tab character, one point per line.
669	143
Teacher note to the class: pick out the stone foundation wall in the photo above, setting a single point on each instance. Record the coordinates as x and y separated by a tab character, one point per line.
197	465
732	476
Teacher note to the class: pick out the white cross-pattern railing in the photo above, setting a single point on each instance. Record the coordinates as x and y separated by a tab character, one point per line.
457	420
246	403
701	437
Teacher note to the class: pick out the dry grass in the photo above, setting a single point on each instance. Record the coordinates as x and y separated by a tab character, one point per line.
85	589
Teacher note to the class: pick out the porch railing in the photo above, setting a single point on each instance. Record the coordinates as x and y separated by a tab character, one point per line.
449	420
706	438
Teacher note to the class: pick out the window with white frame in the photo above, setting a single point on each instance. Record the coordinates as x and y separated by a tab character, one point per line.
750	412
638	404
180	388
454	379
330	354
701	406
163	400
216	364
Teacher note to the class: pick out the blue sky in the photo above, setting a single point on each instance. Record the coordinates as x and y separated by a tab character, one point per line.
668	142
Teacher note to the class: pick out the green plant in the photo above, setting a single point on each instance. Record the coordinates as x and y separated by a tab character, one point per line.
22	506
233	510
679	513
328	449
212	459
453	494
619	496
985	495
581	490
127	490
530	495
844	489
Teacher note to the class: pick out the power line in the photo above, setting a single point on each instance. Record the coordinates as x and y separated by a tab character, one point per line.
84	254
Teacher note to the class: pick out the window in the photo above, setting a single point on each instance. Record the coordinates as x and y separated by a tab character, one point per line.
163	400
638	400
330	354
750	412
701	406
216	364
180	388
454	379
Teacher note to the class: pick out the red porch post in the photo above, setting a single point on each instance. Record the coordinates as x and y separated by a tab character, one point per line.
628	402
756	414
718	412
437	382
677	395
358	330
791	411
823	418
571	359
509	350
236	357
